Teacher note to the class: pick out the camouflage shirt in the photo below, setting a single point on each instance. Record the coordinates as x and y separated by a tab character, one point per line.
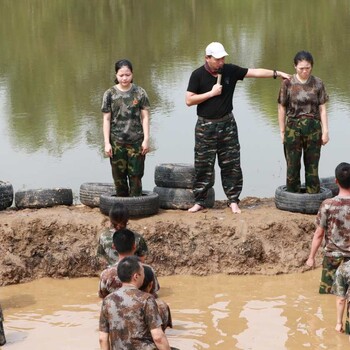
110	282
105	249
129	315
302	99
334	217
125	108
165	315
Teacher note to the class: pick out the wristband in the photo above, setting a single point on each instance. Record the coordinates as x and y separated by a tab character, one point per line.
275	74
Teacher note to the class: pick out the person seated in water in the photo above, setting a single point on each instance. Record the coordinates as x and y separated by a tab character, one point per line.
119	217
163	307
341	290
124	243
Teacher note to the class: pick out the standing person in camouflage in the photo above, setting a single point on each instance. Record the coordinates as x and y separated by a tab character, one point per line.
341	289
129	318
303	123
2	332
124	243
216	130
125	109
333	225
119	217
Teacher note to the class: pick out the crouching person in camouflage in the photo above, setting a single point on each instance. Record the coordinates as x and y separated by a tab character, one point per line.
2	332
129	318
119	217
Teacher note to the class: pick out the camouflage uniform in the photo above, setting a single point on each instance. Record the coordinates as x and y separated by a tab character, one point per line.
165	314
216	133
105	250
341	288
129	315
303	132
2	332
110	282
334	217
126	137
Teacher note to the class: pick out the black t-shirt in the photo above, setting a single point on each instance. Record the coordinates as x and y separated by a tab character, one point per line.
202	81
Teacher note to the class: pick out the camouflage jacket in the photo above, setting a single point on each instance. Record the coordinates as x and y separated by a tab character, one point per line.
105	250
125	108
129	315
334	217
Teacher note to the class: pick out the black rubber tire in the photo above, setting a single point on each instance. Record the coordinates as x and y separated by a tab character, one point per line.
145	205
43	198
329	182
181	198
90	192
174	175
6	195
300	202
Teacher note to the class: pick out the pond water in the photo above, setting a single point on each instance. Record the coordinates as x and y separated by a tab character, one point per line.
57	59
215	312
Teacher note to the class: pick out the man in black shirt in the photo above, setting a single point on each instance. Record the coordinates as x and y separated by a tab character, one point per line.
211	88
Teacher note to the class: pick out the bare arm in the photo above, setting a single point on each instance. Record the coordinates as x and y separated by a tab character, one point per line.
104	341
106	133
324	123
265	73
195	99
316	242
160	339
145	126
282	120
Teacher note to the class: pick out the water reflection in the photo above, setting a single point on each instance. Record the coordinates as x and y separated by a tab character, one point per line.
214	312
57	58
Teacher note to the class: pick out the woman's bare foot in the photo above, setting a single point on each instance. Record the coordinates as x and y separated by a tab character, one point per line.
195	208
235	209
339	328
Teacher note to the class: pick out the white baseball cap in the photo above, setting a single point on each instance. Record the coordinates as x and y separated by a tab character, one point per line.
216	50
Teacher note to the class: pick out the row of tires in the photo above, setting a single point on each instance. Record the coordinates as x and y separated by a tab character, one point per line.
41	198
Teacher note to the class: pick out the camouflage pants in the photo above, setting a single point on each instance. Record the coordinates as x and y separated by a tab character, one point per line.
211	139
303	136
127	169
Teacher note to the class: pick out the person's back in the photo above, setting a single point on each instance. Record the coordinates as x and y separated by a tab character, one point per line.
126	308
129	318
124	243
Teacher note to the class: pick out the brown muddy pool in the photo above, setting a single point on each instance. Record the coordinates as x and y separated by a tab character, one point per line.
214	312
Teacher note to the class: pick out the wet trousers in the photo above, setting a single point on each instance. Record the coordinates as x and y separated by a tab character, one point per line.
127	169
217	138
303	136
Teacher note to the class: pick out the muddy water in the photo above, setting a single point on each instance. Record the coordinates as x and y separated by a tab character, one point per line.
216	312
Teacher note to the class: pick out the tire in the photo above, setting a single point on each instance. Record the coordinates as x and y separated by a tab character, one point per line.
90	192
145	205
6	195
329	182
181	198
174	175
43	198
300	202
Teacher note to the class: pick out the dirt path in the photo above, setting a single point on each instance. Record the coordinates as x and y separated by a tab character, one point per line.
61	241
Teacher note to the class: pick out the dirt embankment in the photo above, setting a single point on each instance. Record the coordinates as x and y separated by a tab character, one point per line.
61	241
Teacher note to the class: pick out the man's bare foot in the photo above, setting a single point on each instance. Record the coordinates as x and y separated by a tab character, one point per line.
339	328
195	208
235	209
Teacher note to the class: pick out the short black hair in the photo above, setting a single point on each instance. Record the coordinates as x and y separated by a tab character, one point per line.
149	277
127	267
119	214
342	174
124	240
303	56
